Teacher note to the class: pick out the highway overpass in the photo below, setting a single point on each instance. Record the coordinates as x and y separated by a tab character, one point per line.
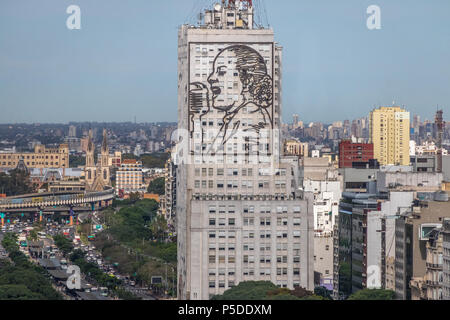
56	202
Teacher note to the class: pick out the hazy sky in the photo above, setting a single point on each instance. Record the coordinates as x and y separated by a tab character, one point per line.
123	61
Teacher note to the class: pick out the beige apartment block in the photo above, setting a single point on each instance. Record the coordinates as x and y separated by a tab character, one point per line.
390	135
42	157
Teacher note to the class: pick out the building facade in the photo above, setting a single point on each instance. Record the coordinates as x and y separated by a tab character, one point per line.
42	157
169	199
429	287
389	133
296	148
240	214
129	177
412	232
350	152
446	260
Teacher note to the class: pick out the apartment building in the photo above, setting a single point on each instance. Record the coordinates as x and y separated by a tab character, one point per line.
390	134
412	232
129	177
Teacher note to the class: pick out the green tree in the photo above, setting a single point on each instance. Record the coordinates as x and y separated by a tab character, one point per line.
265	290
76	255
63	244
373	294
134	196
159	227
248	290
129	224
153	160
157	186
22	279
17	292
15	183
33	235
323	292
75	161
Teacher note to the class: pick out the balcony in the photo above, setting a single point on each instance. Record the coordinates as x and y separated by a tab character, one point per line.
434	266
433	283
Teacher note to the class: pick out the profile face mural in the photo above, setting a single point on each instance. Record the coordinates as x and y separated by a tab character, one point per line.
250	94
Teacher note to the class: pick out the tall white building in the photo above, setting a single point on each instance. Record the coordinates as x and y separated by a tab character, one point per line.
240	214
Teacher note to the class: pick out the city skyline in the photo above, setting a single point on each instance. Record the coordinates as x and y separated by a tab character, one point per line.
52	74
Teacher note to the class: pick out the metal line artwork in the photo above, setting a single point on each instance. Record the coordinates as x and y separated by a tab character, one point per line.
249	70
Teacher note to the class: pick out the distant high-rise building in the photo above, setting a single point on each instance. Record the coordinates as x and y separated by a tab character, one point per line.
240	213
72	131
389	133
416	121
295	120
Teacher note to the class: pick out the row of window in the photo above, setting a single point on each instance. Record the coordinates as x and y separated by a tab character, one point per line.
248	259
265	234
29	157
235	184
267	221
251	209
235	172
34	163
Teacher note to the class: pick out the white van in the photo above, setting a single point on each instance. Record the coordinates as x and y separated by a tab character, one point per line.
42	235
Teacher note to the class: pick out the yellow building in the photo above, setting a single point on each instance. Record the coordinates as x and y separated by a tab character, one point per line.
389	133
295	148
42	157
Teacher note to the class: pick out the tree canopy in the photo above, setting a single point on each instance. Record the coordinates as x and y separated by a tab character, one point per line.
265	290
153	160
15	183
75	161
130	222
22	280
63	244
157	186
373	294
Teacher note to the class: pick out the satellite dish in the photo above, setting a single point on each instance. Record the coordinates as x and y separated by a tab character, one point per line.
217	7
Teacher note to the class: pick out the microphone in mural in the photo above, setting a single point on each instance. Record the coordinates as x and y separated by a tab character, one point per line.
199	106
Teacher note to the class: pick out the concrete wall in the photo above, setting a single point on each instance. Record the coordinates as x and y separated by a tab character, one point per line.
446	168
323	259
414	180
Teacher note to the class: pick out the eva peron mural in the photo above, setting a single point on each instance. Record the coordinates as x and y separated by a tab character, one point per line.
253	91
